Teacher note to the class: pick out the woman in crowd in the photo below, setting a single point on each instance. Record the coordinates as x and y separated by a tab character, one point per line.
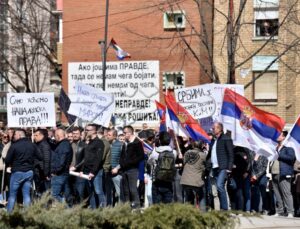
193	173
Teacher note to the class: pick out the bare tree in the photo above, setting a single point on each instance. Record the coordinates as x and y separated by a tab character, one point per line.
234	24
28	55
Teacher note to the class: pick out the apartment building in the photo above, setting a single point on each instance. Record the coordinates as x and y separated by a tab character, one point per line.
268	43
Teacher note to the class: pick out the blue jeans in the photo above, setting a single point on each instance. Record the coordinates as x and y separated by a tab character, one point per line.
162	192
80	187
177	188
59	185
129	187
243	193
117	183
97	196
17	180
221	177
259	190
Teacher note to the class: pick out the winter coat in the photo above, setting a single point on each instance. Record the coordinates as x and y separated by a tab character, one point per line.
224	152
194	167
286	160
44	164
259	167
131	155
61	158
21	155
93	156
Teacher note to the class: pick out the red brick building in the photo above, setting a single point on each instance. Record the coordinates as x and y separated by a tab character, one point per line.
146	30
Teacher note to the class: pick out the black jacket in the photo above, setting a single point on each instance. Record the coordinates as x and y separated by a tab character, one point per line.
21	155
45	151
93	157
61	158
79	155
224	152
131	155
242	161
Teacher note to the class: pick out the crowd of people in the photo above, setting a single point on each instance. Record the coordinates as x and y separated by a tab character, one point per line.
145	167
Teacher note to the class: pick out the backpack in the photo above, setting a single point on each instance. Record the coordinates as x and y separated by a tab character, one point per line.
165	169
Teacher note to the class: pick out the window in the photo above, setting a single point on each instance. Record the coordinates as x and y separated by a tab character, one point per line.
265	88
3	101
266	18
173	80
174	20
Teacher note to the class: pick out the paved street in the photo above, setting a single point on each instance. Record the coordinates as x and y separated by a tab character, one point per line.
268	222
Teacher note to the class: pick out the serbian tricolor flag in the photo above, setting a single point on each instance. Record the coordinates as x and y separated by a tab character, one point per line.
121	54
185	121
251	127
161	110
293	138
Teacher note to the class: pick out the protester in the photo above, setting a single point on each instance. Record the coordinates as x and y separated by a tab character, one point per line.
116	148
106	172
131	155
282	173
92	165
297	187
221	156
43	175
4	141
241	173
193	174
70	135
121	137
162	159
60	163
77	183
259	183
20	157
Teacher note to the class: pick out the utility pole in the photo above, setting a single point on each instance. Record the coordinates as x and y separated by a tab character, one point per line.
231	44
103	44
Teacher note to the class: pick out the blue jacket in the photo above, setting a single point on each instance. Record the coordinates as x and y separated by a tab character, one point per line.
116	148
61	158
286	161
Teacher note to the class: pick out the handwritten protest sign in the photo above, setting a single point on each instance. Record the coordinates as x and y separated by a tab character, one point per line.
135	85
30	110
91	104
197	100
205	100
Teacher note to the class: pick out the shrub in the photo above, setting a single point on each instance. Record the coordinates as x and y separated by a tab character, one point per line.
44	215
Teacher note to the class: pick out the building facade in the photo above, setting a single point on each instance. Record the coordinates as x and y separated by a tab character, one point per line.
166	31
27	56
268	44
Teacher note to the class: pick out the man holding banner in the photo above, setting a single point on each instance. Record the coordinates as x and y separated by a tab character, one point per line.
93	166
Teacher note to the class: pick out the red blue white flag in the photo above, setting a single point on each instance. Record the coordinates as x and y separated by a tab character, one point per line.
251	127
184	121
121	54
293	138
161	110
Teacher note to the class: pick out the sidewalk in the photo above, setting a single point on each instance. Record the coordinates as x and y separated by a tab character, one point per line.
268	222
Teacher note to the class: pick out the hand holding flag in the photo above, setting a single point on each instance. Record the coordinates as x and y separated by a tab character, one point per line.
185	120
251	127
161	109
293	138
